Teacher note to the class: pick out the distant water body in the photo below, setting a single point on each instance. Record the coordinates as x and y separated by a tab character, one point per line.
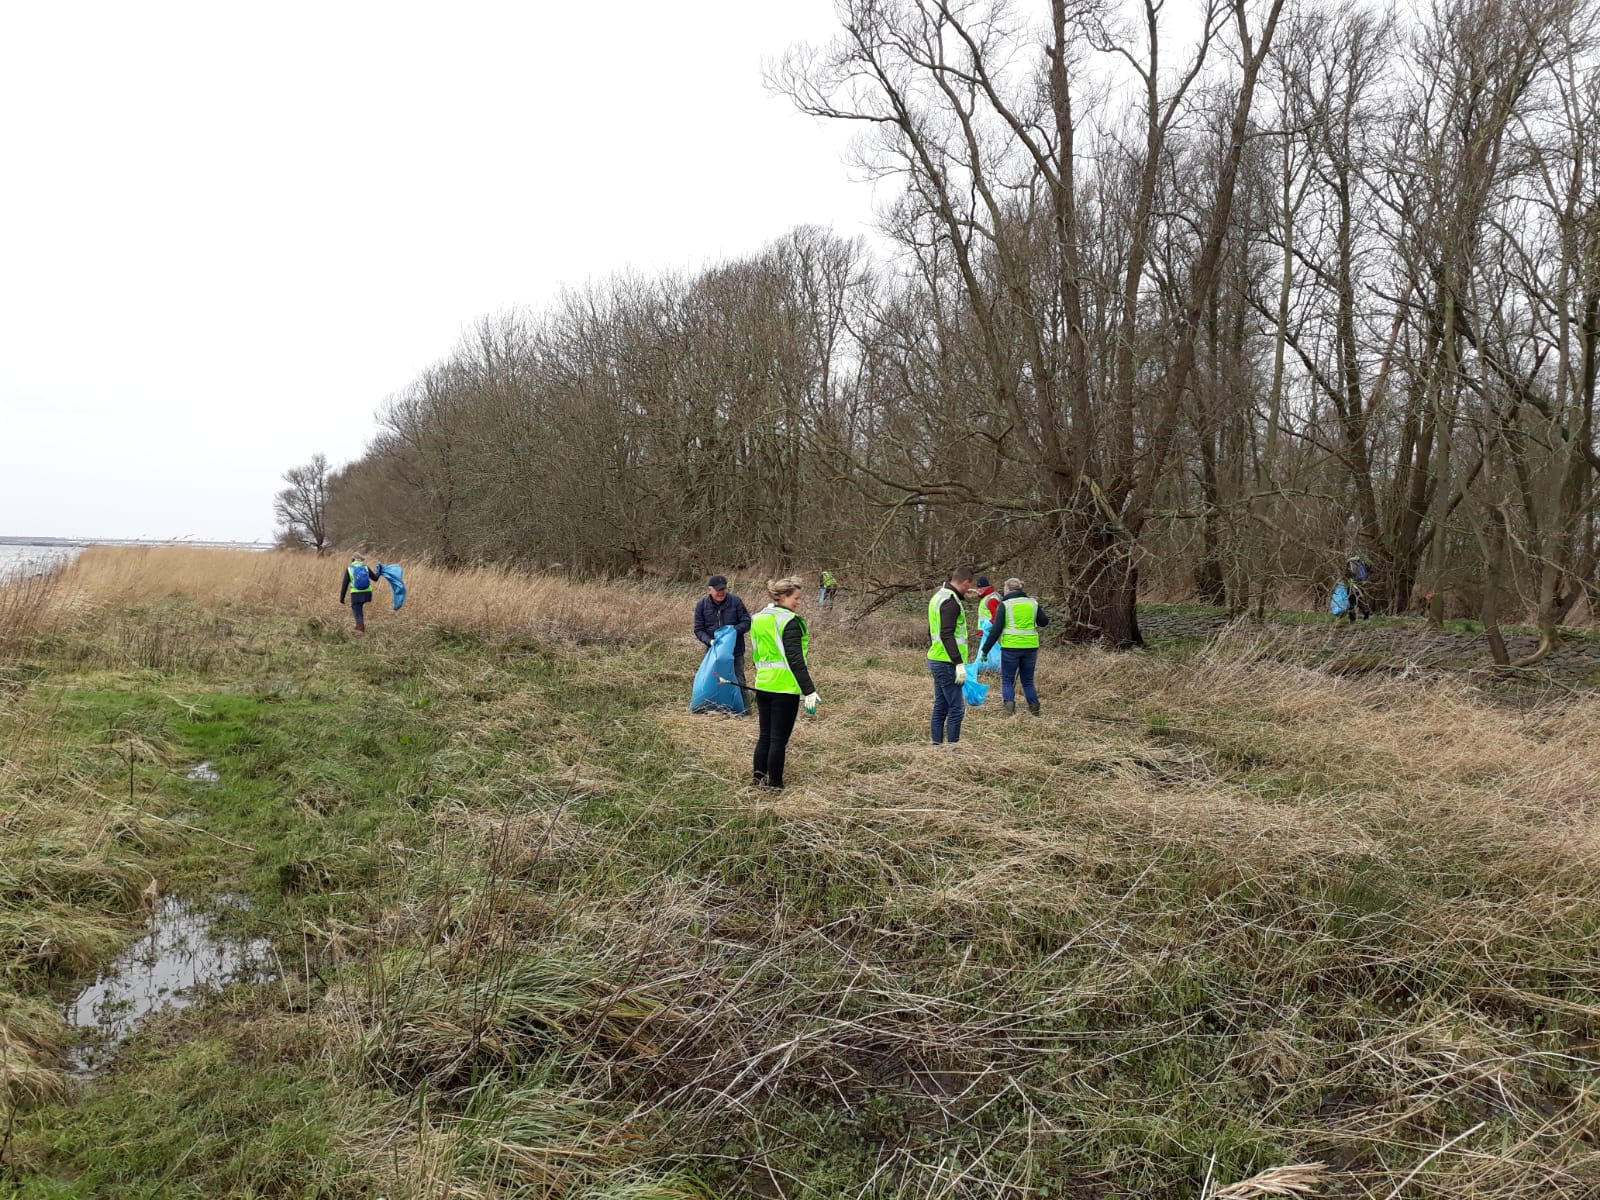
33	556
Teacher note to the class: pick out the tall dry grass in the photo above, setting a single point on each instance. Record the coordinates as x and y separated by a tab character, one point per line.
482	599
28	605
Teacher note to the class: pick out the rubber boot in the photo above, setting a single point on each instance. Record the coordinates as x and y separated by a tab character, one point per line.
361	626
1033	707
1010	706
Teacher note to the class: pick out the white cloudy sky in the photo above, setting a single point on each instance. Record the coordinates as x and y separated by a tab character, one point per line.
229	230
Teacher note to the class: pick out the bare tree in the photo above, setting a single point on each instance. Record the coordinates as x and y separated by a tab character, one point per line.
1139	327
990	155
302	507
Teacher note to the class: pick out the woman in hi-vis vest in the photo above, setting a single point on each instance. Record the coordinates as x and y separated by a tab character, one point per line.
780	642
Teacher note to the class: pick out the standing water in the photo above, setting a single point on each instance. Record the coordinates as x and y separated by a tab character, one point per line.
174	964
19	559
21	556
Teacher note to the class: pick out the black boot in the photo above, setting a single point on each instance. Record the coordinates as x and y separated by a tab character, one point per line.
1033	707
1010	706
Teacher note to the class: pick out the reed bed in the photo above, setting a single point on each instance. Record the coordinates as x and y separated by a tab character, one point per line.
477	599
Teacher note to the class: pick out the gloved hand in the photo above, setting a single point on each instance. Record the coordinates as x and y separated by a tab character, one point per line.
811	703
961	674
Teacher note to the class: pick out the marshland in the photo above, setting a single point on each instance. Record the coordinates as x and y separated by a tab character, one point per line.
1228	920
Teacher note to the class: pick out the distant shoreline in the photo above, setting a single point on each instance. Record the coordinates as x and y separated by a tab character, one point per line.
81	542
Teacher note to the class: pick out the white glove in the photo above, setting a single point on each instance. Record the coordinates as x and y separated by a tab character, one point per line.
811	703
961	674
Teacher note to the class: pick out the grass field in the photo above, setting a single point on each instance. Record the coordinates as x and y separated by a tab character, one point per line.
1215	918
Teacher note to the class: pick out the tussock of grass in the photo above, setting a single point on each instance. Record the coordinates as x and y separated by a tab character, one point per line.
31	1035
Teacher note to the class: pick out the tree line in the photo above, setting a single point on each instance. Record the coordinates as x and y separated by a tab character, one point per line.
1199	301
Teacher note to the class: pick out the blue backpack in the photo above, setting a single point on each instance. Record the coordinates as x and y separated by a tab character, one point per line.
360	578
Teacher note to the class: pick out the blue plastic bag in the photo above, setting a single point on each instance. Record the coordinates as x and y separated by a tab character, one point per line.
711	694
974	691
1339	603
397	583
990	661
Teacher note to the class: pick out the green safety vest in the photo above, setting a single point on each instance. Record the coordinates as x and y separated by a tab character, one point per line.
371	575
936	650
772	665
1021	630
828	580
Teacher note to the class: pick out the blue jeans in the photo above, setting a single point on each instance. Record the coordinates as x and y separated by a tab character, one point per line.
1017	660
949	704
358	606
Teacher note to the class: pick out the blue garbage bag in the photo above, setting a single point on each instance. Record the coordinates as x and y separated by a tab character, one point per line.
1339	603
397	583
710	693
990	661
974	691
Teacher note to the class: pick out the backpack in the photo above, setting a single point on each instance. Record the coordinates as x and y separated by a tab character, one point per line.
360	578
1358	568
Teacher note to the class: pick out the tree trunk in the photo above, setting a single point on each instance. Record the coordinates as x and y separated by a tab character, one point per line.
1103	586
1490	611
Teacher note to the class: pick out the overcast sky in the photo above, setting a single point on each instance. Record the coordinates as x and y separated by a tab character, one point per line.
228	230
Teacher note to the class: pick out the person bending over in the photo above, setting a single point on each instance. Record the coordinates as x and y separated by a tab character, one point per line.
719	607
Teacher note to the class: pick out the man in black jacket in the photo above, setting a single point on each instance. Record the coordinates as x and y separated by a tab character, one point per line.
719	607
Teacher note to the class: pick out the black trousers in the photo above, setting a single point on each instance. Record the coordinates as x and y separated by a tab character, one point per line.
777	712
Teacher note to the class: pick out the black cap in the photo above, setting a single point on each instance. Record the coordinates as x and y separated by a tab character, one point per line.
717	581
983	581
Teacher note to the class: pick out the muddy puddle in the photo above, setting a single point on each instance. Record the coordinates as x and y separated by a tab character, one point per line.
180	958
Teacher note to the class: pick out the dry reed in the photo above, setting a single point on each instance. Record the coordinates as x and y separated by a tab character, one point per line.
479	599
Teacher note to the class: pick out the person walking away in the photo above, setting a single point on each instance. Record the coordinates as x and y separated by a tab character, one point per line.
1017	630
357	584
947	638
719	607
830	585
783	678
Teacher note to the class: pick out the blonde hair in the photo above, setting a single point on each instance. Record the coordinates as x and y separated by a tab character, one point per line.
778	588
1013	584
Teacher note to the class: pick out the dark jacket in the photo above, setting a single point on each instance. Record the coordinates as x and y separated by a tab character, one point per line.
794	650
999	625
344	582
709	616
949	617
